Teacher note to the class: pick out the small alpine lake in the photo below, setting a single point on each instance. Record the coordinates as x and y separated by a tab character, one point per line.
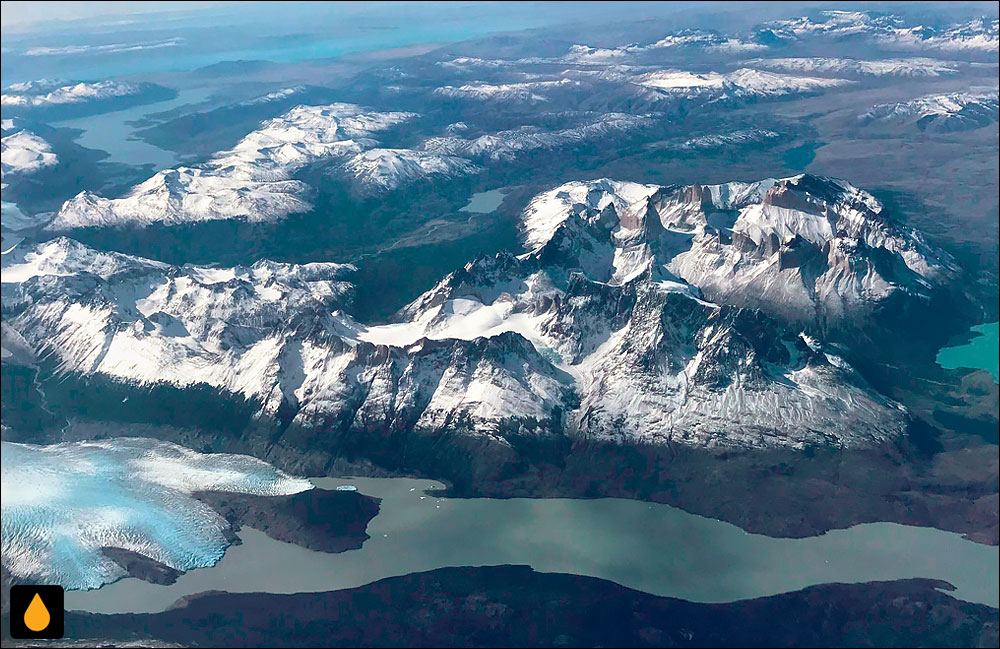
484	202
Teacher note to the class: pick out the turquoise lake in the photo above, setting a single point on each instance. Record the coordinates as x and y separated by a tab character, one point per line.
982	352
300	32
650	547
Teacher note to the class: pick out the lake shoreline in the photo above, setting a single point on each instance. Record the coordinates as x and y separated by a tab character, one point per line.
518	606
623	541
975	349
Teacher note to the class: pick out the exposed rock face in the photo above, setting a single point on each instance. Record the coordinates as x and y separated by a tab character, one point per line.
142	567
319	519
810	250
640	314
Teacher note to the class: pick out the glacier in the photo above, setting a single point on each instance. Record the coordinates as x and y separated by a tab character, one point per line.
62	503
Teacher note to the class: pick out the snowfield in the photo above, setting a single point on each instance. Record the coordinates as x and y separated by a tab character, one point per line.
24	153
49	92
636	313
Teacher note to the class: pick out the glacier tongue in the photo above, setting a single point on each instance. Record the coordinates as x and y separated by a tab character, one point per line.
62	503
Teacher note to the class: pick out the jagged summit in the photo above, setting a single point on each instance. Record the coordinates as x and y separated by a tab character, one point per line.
805	249
637	313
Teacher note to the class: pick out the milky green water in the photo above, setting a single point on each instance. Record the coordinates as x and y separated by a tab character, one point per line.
650	547
982	352
484	202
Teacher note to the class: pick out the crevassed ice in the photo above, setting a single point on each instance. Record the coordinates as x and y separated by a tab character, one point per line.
62	503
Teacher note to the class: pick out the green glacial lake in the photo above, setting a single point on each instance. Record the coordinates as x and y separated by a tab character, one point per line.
982	352
650	547
484	202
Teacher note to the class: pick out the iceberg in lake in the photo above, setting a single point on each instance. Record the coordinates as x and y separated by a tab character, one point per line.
62	503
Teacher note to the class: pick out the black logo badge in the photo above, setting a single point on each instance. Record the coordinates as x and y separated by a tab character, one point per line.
36	612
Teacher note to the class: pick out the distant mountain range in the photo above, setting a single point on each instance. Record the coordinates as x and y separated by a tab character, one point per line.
955	111
888	30
53	99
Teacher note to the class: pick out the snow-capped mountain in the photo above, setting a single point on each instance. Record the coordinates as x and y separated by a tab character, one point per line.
391	168
45	92
524	92
584	54
304	135
24	152
602	330
940	112
272	333
252	181
741	137
739	84
976	35
465	63
143	321
276	95
507	145
838	23
685	39
705	40
805	249
651	362
650	358
129	493
909	67
888	30
186	195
